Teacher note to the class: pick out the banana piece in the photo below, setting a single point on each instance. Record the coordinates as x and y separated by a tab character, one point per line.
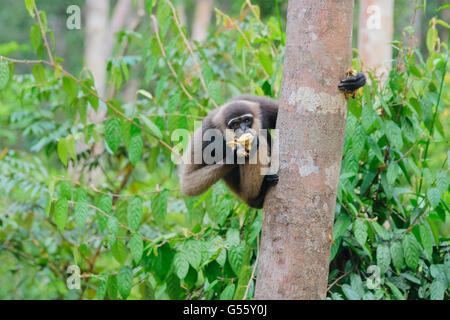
243	144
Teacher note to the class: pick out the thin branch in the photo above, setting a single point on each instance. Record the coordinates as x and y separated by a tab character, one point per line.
44	34
169	64
254	269
197	66
93	93
247	42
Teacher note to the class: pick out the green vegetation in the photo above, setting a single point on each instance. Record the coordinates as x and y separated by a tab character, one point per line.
119	215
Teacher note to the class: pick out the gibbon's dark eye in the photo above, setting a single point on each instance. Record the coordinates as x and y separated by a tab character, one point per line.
247	120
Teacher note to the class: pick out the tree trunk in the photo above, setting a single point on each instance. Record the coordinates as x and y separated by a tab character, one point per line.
299	211
376	27
202	19
97	22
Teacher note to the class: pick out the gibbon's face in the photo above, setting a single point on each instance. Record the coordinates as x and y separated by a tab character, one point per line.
239	118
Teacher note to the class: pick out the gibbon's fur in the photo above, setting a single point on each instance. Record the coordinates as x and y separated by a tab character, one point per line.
232	120
245	179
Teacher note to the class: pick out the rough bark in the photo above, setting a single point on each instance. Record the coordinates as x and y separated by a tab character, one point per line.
376	27
202	19
299	211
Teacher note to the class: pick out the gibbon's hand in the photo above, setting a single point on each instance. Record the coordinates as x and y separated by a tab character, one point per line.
271	179
352	83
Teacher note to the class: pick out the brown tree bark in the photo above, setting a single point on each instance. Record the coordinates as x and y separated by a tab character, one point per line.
375	32
299	211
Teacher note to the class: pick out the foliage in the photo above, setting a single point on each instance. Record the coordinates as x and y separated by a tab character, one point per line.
118	214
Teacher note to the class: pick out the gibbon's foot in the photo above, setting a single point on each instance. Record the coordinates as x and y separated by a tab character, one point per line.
271	179
352	83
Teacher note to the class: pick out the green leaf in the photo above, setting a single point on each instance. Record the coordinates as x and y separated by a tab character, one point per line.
105	205
360	231
357	284
426	238
136	245
29	5
119	251
61	213
135	149
4	74
214	91
125	281
434	196
121	211
113	226
112	287
35	36
233	237
159	206
192	252
392	173
65	189
255	229
266	61
207	73
341	224
381	231
63	151
101	289
181	265
350	293
411	251
383	258
80	195
222	257
71	88
71	147
134	212
394	134
93	101
396	254
228	292
367	117
442	181
358	141
437	290
235	255
113	132
152	127
81	212
38	73
395	291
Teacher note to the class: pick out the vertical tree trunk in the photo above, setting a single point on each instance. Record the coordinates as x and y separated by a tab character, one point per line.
97	22
299	211
376	27
202	19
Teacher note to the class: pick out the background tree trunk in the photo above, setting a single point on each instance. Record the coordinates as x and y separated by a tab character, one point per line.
99	44
202	19
299	211
375	32
97	23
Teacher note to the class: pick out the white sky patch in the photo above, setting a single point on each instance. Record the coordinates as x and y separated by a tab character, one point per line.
307	99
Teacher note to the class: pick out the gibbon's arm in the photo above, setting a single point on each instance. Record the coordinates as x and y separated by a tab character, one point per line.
195	179
268	106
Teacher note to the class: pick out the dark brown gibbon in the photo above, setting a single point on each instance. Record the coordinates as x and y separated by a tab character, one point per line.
242	116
